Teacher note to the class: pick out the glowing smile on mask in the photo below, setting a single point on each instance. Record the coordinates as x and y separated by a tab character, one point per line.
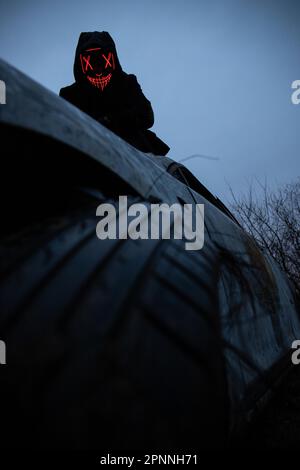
100	82
98	65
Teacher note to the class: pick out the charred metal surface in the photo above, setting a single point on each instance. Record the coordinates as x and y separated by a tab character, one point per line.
230	286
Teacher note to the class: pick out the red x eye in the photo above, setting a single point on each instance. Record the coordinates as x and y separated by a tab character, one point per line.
87	63
109	61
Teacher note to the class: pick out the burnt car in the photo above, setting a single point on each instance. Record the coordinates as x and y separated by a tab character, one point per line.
123	344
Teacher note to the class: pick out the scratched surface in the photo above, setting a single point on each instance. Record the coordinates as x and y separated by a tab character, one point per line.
257	310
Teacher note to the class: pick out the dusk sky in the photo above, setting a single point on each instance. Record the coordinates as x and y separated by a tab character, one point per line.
217	72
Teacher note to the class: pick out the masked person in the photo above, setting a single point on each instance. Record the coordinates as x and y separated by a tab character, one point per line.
111	96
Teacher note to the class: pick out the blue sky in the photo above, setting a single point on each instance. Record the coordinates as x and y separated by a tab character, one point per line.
218	74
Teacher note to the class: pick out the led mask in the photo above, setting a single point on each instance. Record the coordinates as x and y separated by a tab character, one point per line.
97	65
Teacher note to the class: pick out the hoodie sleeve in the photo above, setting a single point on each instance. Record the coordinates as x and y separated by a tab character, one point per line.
68	93
137	112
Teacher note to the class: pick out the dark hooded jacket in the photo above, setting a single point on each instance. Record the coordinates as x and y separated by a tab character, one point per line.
121	105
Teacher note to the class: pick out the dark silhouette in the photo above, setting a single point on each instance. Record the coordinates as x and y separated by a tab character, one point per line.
111	96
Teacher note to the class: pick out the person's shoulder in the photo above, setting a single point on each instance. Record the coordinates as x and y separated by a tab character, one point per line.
131	82
68	91
129	78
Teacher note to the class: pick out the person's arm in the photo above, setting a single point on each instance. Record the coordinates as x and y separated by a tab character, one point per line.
137	112
71	94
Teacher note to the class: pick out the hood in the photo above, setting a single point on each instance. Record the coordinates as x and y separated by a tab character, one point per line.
95	39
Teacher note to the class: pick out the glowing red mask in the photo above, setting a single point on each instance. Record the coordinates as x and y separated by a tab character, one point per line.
97	65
